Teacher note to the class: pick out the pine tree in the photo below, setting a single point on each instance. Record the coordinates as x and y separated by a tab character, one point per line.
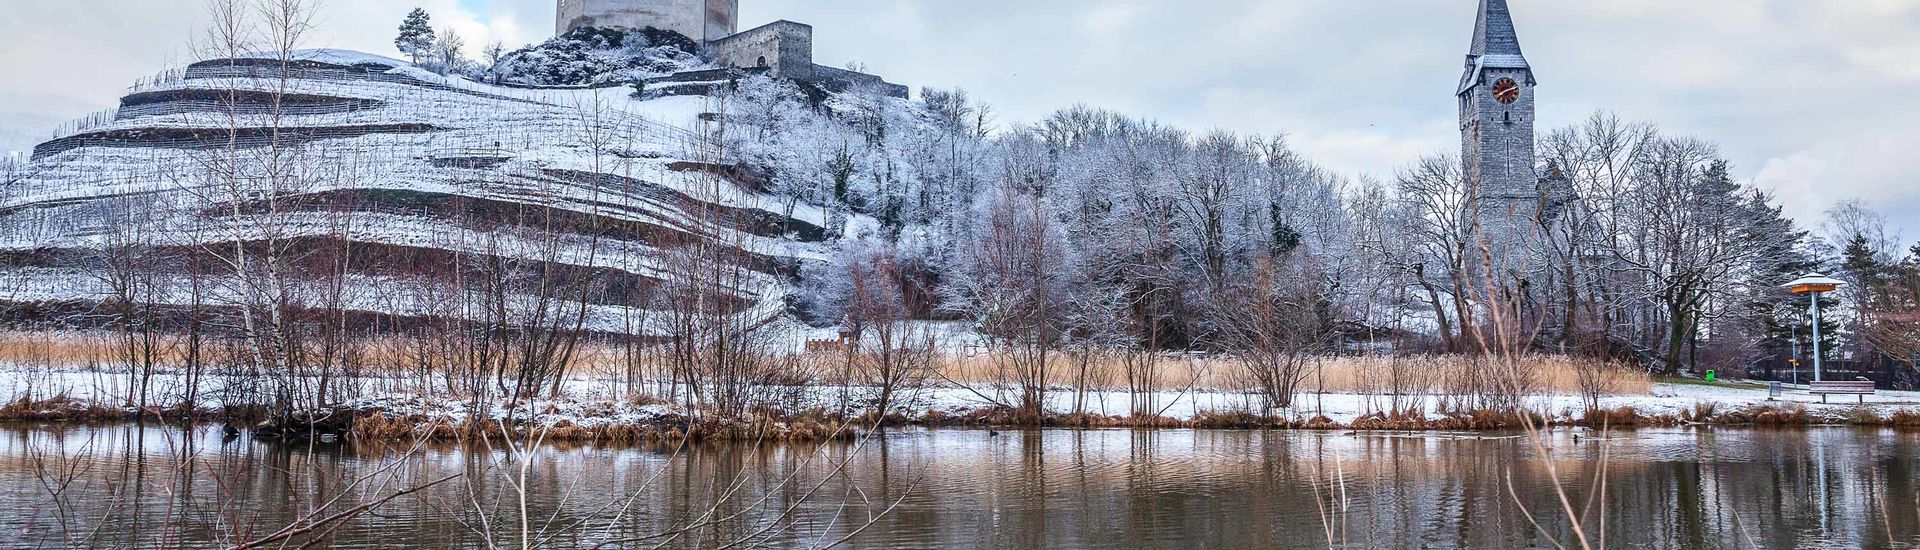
416	35
1285	237
841	168
1778	317
1862	263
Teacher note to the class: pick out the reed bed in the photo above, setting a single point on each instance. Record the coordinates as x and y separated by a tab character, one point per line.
1369	375
1422	379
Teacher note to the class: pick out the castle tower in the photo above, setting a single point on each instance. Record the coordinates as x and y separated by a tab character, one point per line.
700	20
1496	133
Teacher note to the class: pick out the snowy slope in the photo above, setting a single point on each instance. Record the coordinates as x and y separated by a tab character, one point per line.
391	158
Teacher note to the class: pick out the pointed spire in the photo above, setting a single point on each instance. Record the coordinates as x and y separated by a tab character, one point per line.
1493	34
1495	45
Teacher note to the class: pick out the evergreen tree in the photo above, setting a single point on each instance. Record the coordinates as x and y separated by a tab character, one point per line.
1862	264
1778	317
841	168
1285	237
416	35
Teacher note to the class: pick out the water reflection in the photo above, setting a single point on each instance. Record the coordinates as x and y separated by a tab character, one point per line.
159	486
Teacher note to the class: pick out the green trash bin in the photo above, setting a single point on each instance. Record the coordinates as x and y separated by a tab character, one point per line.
1711	376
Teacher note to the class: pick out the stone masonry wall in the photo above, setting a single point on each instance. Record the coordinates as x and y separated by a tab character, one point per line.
1497	153
700	20
1497	139
785	47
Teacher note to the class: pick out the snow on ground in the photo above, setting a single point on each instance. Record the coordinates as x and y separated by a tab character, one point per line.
591	401
1665	399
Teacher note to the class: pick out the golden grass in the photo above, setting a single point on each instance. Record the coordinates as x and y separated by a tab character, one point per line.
57	348
1427	374
1766	415
1904	418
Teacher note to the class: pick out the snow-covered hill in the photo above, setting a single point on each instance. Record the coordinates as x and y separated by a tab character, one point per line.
401	170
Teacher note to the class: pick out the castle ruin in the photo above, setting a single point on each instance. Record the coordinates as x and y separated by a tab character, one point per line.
782	48
700	20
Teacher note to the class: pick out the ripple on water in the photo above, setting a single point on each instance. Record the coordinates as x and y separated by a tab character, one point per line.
1665	488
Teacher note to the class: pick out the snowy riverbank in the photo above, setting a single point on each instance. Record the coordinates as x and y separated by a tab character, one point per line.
588	402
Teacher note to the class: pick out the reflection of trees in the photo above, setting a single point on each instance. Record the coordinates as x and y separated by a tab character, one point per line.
155	485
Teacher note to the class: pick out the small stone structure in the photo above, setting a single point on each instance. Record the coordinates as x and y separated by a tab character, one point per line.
782	48
785	47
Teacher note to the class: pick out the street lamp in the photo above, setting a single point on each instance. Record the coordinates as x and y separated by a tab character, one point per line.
1813	284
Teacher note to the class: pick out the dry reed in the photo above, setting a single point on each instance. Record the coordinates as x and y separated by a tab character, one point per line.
1431	374
1359	375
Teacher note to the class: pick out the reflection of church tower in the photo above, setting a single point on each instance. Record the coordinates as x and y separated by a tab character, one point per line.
1496	133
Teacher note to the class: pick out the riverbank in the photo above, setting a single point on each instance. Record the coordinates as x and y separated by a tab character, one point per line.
601	410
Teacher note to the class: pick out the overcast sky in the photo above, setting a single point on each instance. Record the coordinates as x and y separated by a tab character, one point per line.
1814	100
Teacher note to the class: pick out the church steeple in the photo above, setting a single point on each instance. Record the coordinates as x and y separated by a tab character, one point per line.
1495	45
1497	143
1496	115
1493	34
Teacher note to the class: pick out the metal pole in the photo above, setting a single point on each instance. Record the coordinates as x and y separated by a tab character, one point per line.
1816	335
1794	360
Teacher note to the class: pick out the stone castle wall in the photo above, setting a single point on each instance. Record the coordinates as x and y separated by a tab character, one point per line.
700	20
785	47
782	48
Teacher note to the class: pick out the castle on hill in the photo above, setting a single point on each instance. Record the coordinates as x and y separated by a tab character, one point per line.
782	48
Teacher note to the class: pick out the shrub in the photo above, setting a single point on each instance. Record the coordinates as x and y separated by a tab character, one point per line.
1702	412
588	55
1614	418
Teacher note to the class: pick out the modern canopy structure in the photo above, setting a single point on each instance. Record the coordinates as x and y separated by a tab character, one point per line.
1813	284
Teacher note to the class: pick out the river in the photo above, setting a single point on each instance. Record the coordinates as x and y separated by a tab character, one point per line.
125	485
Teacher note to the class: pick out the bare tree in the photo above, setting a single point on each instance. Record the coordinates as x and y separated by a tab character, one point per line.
128	264
1696	230
448	52
1598	158
1276	323
1441	216
1014	287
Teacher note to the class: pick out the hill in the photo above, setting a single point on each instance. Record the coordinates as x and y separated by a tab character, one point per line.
348	178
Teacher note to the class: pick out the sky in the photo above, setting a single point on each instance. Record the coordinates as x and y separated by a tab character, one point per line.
1816	101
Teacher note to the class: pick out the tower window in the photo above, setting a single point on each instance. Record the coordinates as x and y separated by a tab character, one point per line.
763	62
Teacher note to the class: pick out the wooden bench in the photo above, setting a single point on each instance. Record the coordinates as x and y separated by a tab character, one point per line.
1862	388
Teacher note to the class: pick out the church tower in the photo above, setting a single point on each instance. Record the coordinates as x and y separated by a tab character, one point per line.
1496	130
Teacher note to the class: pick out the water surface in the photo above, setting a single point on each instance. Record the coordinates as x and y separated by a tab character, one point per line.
159	486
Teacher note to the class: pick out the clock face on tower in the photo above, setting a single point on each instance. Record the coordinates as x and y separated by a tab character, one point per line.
1506	91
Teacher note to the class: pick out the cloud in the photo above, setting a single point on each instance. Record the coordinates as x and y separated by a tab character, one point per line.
1866	166
1795	179
1810	99
1107	19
